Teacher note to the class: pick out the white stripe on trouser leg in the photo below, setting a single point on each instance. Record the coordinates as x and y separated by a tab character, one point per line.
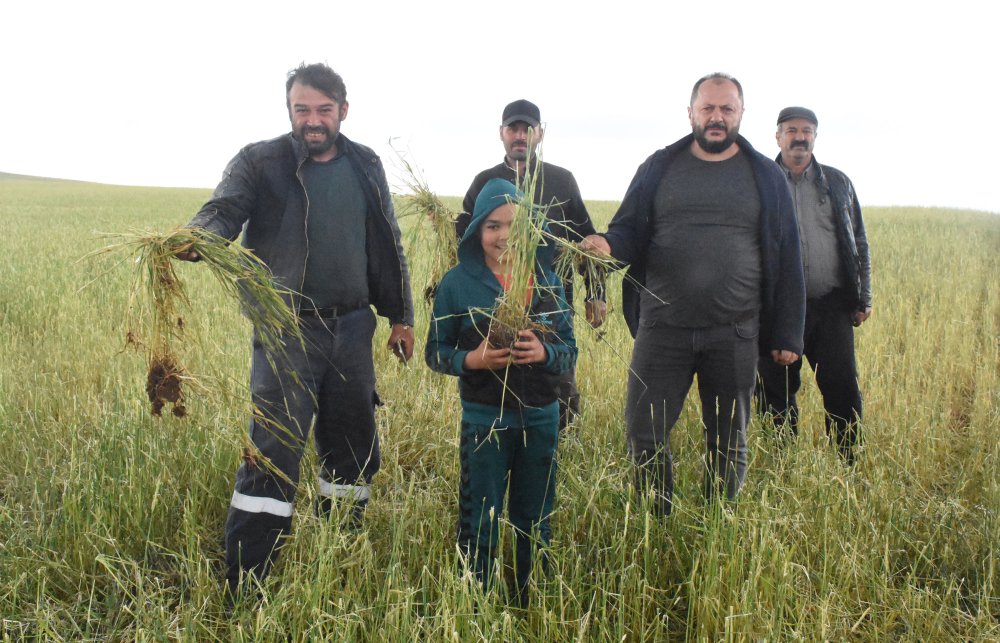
356	493
259	504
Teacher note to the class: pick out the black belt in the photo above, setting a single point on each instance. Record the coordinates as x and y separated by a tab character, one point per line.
330	312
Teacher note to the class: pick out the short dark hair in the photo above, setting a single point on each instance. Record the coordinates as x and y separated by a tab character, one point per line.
320	77
717	77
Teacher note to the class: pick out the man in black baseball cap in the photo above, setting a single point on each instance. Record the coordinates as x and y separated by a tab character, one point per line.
837	269
520	132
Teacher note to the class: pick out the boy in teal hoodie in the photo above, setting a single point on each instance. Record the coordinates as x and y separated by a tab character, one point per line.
510	409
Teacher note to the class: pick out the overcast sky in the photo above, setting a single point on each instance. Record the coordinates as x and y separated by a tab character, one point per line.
165	93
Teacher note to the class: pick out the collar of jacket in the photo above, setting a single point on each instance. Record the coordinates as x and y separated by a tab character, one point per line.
685	142
820	179
532	164
663	157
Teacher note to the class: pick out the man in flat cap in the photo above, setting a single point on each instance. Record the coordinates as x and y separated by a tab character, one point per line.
520	132
838	287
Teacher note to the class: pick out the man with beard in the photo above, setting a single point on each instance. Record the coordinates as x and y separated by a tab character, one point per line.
707	229
838	287
316	208
521	132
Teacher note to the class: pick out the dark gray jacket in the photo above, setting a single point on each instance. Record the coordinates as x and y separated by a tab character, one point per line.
852	242
262	194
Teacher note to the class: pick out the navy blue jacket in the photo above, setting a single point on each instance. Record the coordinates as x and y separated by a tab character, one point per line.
782	316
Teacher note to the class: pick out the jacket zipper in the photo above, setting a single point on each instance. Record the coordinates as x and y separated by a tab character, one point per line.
305	230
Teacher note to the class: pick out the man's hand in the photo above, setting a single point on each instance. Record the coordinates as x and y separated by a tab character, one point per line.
528	349
485	357
784	358
597	311
597	244
401	342
860	316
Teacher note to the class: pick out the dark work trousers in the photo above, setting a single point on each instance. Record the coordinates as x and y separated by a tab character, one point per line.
494	460
829	347
665	360
331	378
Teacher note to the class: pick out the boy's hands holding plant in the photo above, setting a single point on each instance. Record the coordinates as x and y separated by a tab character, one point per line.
485	357
527	349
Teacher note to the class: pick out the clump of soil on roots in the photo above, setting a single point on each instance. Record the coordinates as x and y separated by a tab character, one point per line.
501	336
163	385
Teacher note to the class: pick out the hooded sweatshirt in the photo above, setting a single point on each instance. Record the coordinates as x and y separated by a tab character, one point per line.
460	320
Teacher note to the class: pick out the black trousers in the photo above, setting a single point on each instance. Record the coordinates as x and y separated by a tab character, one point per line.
829	347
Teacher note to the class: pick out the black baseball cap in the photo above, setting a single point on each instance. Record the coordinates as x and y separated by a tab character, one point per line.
789	113
522	111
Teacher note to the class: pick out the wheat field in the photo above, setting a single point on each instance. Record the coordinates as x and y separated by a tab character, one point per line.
111	519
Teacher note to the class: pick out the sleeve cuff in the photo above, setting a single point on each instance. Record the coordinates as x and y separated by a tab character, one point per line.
458	362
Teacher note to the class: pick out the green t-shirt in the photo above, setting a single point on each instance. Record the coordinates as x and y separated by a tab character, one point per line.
336	271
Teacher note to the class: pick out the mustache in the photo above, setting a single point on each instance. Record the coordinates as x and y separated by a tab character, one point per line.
803	144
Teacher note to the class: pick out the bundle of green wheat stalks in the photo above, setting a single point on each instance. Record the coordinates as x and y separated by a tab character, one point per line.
158	301
512	310
435	231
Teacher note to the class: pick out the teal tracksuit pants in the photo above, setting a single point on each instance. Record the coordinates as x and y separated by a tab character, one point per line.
518	463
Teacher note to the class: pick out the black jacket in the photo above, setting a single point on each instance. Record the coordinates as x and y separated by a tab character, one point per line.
262	195
852	241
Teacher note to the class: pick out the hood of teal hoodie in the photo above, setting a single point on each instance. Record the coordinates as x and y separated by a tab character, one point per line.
494	194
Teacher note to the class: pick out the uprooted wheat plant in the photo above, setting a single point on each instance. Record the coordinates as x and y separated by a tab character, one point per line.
530	229
158	302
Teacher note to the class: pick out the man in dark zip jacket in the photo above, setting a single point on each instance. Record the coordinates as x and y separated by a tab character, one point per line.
707	228
316	208
838	287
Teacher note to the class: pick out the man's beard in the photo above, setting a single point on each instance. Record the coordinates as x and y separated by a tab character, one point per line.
715	147
521	154
317	147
